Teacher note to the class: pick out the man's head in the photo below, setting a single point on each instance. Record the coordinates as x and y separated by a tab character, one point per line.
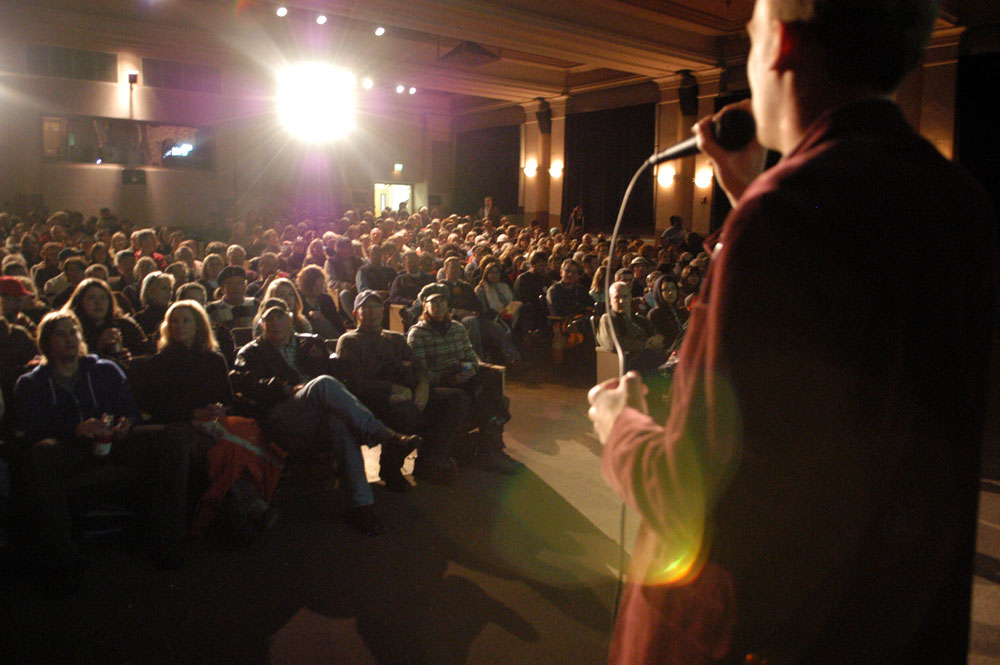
640	267
236	255
12	291
620	297
368	309
277	323
453	270
569	272
538	262
861	47
59	337
233	281
434	298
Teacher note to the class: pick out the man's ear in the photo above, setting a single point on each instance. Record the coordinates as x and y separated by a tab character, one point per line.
789	47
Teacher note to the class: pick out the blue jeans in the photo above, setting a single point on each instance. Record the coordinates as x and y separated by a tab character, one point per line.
323	411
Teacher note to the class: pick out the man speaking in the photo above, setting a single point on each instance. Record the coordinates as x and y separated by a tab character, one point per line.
812	495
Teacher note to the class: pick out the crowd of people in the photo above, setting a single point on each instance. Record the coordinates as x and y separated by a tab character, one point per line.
147	348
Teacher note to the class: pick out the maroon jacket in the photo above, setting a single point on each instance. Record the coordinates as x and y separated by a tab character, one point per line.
819	464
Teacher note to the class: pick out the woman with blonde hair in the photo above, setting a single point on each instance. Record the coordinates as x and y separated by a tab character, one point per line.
188	374
284	289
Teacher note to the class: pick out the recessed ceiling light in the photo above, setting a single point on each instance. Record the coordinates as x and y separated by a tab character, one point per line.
379	31
282	12
321	19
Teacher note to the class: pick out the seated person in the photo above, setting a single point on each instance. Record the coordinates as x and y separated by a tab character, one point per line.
106	331
643	347
668	317
486	333
383	372
568	297
59	289
342	272
13	294
443	346
157	289
233	309
284	290
77	415
317	305
374	274
17	349
407	285
569	300
300	406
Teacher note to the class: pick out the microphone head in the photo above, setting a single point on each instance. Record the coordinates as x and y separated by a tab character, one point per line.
735	129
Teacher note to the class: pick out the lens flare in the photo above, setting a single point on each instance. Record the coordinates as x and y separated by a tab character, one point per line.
316	102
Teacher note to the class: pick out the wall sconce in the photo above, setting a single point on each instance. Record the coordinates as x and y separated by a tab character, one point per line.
531	167
133	77
556	169
703	178
665	175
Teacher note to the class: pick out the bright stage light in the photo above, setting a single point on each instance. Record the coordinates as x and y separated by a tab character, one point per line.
316	102
282	12
367	83
321	19
379	31
703	178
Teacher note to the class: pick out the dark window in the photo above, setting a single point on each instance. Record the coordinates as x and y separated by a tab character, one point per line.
181	76
72	63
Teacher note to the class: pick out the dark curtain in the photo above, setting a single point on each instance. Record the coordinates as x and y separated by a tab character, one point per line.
977	133
486	164
603	151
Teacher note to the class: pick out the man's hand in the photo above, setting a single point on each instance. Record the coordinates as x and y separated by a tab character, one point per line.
421	394
121	429
91	428
609	398
734	170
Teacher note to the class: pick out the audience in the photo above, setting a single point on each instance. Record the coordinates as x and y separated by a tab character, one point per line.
501	289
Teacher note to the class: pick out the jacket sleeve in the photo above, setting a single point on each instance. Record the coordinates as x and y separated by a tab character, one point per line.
661	479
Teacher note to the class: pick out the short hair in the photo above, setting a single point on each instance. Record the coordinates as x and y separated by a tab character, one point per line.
48	326
875	42
570	263
143	234
123	254
204	338
150	279
94	268
144	266
619	285
183	289
78	261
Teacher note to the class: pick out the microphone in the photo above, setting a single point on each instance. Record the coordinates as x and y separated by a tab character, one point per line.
733	130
